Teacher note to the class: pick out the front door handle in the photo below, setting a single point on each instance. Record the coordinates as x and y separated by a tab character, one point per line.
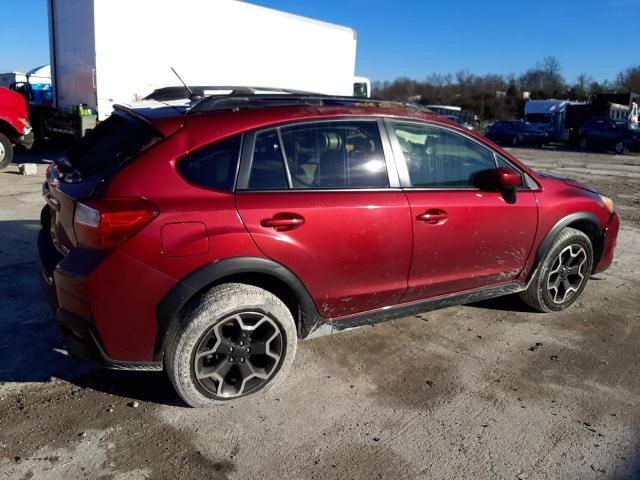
433	216
284	221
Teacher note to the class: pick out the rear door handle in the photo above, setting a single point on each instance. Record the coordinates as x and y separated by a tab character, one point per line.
283	221
433	216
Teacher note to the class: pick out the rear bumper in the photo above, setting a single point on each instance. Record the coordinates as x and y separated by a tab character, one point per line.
83	343
610	240
77	331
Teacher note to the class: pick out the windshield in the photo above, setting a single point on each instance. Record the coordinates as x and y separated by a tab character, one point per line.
528	127
113	142
360	90
539	118
455	118
634	127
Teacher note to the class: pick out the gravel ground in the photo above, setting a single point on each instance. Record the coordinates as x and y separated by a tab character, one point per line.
491	390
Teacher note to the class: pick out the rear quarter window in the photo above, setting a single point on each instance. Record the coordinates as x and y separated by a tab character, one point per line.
213	166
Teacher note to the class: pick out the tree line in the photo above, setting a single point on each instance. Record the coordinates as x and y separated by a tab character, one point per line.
495	96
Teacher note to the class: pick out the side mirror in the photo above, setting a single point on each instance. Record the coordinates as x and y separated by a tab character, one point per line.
506	178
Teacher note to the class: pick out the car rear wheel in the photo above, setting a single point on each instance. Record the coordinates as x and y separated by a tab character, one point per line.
6	151
237	340
619	147
562	274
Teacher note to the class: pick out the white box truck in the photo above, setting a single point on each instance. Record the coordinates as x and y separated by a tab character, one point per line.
118	51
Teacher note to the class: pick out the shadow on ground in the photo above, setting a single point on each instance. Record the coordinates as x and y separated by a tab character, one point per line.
31	349
41	153
510	303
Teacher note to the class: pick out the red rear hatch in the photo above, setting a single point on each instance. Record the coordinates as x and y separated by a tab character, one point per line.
81	172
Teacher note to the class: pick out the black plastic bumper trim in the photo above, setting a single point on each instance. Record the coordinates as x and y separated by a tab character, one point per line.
89	347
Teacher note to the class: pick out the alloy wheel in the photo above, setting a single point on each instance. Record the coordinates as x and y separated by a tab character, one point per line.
238	355
3	152
566	275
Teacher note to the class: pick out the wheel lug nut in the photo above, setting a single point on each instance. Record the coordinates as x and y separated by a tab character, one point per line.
242	360
231	349
241	343
247	349
231	359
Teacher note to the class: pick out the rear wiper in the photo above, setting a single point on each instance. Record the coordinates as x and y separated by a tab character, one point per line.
66	168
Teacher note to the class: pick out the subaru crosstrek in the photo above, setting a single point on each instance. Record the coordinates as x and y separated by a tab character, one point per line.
204	237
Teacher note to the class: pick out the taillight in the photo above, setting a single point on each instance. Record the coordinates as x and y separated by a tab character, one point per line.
106	223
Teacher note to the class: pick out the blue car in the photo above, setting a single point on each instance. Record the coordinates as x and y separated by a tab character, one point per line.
601	133
516	133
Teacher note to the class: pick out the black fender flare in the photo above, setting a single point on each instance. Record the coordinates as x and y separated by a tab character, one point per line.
565	222
211	273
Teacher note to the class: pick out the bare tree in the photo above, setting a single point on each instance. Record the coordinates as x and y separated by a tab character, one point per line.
477	93
629	80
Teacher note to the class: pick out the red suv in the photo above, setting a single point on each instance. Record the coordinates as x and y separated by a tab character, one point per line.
205	237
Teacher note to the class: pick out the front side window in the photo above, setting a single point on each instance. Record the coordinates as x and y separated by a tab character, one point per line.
335	155
437	157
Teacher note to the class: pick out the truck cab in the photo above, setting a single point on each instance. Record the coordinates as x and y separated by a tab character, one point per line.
15	128
549	116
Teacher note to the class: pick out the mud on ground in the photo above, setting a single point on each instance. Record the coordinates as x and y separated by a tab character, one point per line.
491	390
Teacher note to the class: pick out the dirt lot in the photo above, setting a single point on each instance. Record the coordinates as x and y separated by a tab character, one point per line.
484	391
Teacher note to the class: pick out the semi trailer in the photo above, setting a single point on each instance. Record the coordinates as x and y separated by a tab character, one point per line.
105	52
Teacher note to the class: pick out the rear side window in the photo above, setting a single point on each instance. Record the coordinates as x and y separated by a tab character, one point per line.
213	166
437	157
112	143
319	155
335	155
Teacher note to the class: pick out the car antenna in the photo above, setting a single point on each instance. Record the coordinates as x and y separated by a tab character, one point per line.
191	95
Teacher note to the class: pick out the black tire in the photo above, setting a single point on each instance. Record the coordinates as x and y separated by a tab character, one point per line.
548	291
584	144
200	338
6	151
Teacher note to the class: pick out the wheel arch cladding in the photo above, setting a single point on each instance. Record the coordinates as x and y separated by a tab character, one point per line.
585	222
260	272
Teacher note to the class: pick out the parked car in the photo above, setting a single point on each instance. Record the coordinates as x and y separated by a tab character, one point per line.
205	238
633	143
601	133
459	121
14	125
516	133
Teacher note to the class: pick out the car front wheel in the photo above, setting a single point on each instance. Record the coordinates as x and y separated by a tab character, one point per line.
236	341
584	143
562	274
6	151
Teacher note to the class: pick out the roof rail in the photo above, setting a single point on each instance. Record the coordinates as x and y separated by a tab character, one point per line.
202	91
237	100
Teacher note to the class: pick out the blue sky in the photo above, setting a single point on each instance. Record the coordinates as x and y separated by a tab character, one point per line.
415	38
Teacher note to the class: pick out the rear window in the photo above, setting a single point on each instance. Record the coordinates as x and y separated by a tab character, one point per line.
112	143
